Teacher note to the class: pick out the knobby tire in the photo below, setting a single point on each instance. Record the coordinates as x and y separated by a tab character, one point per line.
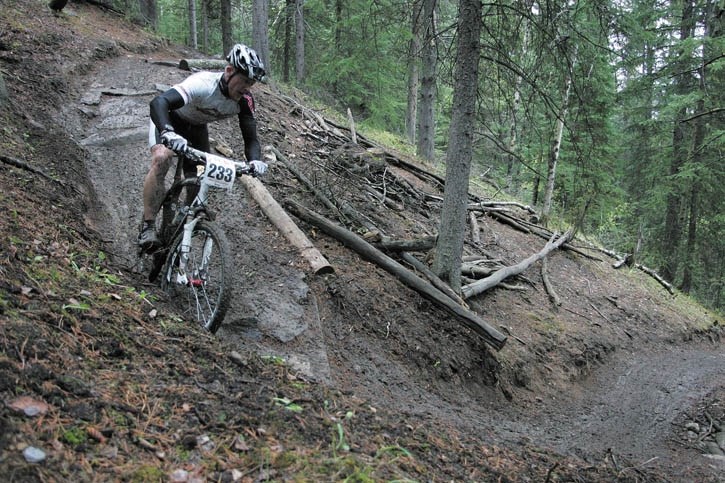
206	298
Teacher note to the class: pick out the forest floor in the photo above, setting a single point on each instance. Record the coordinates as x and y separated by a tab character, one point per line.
346	376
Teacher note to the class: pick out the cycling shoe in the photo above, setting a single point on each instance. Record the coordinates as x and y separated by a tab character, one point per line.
148	240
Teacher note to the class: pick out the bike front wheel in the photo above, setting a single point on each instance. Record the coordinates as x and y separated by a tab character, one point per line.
202	285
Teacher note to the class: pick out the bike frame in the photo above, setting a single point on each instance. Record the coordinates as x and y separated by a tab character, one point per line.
191	217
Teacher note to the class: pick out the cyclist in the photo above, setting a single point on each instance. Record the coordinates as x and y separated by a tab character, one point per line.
179	117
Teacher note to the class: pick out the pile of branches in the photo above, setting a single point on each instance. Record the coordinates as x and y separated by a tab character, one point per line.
361	187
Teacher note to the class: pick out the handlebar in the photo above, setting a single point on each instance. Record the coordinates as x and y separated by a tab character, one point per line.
199	157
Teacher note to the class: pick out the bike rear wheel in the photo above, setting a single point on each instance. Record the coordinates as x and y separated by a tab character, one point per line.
203	291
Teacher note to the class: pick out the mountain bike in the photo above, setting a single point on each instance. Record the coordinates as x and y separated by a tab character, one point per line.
193	259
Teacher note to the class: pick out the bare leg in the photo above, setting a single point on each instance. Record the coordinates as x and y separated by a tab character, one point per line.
153	185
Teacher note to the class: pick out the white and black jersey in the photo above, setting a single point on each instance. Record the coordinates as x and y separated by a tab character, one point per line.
196	101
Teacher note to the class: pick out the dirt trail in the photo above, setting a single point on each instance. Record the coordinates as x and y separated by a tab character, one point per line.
629	405
632	407
110	120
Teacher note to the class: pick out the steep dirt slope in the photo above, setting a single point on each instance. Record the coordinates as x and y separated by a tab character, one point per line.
607	377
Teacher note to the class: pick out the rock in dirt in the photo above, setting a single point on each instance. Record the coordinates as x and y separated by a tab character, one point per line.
33	454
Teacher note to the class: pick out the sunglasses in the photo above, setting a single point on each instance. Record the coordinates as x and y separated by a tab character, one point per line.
245	79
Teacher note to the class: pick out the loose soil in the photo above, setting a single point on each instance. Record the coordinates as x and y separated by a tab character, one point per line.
388	385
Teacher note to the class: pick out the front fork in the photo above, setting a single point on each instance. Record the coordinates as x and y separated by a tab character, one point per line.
182	277
194	279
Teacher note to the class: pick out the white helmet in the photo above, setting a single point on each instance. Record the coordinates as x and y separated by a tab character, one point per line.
246	61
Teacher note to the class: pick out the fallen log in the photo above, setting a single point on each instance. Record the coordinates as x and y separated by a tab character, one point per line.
475	271
489	334
284	224
629	261
304	180
23	165
508	220
657	277
500	275
381	198
414	245
553	297
331	127
202	64
166	63
321	124
544	233
475	231
508	203
434	279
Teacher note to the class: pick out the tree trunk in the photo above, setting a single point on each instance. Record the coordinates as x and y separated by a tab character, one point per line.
193	38
300	41
226	21
511	168
698	142
535	189
686	284
411	112
149	12
673	215
433	278
205	26
260	31
511	158
426	107
452	231
556	147
289	19
338	21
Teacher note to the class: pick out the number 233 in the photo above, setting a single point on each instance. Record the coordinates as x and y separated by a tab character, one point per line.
222	173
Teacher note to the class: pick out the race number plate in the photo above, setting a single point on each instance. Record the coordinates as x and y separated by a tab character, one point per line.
220	172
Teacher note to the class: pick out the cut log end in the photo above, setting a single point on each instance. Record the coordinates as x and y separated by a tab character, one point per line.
325	270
